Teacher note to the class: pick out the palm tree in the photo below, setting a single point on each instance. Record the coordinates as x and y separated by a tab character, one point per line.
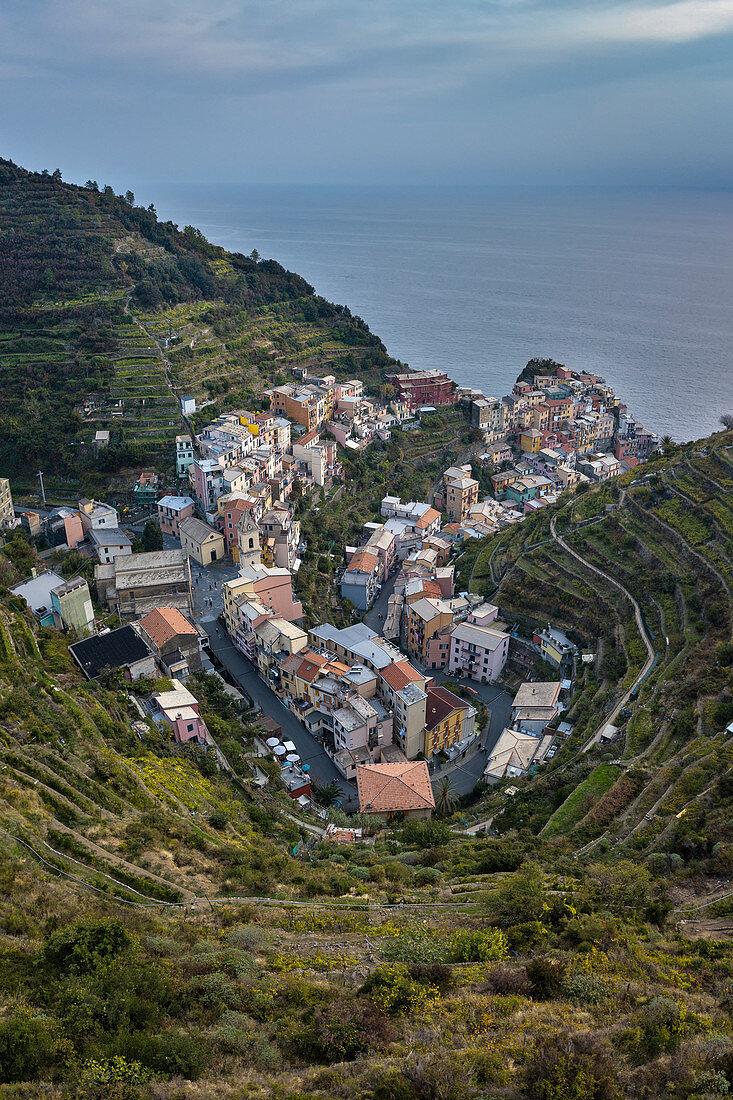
667	444
446	800
327	795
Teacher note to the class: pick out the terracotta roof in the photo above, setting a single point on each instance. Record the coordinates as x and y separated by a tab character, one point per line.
164	623
363	562
291	663
390	788
399	674
440	704
308	437
427	518
310	667
429	588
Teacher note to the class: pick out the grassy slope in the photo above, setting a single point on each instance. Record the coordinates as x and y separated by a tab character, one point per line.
344	997
91	288
669	542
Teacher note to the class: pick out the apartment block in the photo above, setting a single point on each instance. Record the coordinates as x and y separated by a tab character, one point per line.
461	491
184	454
427	387
448	721
7	512
172	511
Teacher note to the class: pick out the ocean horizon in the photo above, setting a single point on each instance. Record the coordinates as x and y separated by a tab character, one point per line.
635	284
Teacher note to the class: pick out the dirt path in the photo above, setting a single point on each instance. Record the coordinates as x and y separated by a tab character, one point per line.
109	857
641	625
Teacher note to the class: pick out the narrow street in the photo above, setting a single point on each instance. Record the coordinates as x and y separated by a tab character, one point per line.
465	774
377	613
322	768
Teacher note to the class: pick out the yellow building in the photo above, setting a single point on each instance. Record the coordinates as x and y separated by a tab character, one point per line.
531	441
448	720
200	541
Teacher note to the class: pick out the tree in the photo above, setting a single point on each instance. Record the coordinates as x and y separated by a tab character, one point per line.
623	888
328	794
667	444
446	800
130	198
727	421
152	536
56	174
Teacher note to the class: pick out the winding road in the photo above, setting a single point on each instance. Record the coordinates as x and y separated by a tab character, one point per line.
651	652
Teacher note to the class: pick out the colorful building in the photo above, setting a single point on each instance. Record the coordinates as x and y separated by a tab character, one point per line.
448	720
202	542
427	387
172	511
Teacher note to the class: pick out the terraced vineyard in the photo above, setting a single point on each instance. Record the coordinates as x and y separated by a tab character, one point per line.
92	798
108	317
665	539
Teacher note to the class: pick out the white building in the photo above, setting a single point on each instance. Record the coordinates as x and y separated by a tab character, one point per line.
97	516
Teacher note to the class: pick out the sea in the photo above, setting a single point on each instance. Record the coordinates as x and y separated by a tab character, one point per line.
635	285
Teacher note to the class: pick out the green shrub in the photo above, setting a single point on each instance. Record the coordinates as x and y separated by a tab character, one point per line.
420	945
340	1031
426	834
585	989
396	991
27	1047
112	1079
169	1053
546	976
572	1067
82	947
660	1027
484	945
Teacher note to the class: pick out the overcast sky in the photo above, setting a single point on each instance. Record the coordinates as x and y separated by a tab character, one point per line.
369	91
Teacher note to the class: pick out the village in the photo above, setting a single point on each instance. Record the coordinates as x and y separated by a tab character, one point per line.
424	685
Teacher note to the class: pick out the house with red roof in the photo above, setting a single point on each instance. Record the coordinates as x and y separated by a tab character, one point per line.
396	790
175	641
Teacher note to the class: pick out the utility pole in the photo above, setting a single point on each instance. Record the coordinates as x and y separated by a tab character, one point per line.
43	491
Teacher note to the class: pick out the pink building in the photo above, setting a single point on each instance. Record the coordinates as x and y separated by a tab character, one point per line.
179	711
273	588
172	511
74	530
206	478
340	432
479	651
231	510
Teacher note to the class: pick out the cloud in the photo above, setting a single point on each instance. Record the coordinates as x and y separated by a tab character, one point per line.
246	43
343	83
684	21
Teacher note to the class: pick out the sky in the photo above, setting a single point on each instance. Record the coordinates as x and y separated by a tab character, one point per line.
536	92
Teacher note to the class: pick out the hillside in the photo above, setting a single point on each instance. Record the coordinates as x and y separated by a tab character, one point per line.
172	930
665	533
108	315
168	932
